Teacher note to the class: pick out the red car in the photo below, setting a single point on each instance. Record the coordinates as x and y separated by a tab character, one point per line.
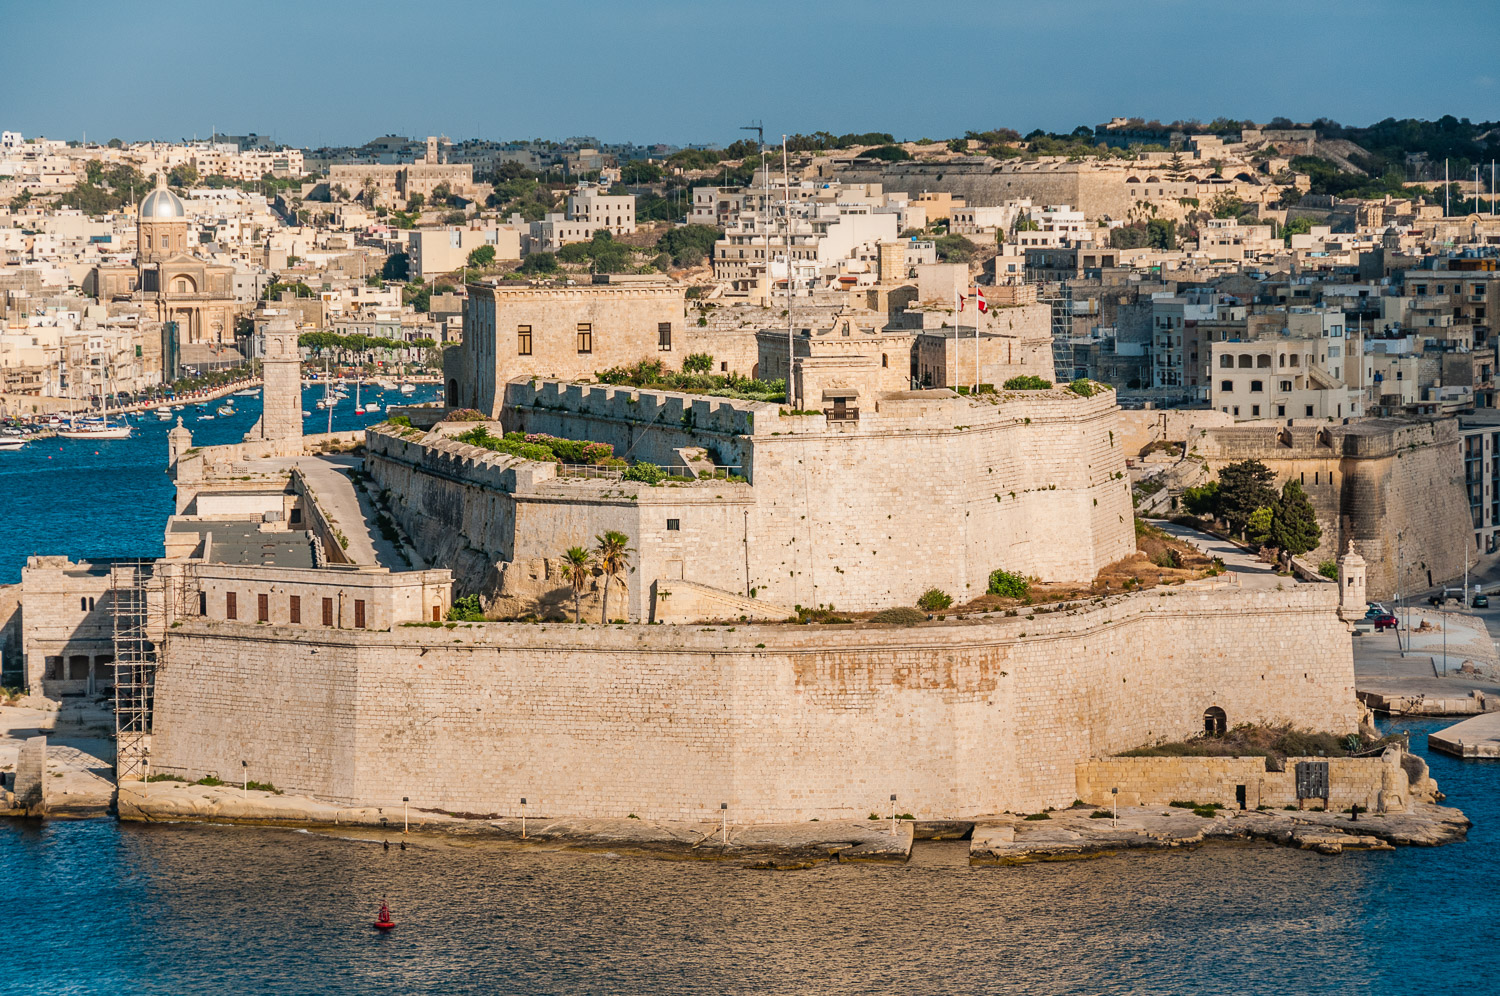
1386	621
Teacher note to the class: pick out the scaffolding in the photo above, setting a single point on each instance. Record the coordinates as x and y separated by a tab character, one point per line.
1061	303
135	668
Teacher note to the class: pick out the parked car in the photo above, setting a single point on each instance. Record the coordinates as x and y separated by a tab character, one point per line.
1375	609
1385	621
1481	602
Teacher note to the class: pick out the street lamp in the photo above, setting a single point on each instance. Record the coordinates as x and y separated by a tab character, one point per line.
245	776
405	815
893	814
1115	820
523	818
724	819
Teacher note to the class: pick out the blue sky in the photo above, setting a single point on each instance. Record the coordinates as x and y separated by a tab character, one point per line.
342	71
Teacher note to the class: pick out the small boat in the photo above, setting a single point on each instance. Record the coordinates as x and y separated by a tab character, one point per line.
225	409
384	922
95	432
11	443
163	415
408	389
306	413
247	394
371	406
205	418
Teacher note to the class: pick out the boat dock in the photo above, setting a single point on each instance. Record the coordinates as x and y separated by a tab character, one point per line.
1473	738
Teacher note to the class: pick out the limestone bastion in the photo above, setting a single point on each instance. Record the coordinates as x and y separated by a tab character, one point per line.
925	489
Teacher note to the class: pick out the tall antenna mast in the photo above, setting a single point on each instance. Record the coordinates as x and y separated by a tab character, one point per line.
786	202
765	202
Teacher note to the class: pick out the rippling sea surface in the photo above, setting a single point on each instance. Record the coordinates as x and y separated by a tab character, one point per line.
100	907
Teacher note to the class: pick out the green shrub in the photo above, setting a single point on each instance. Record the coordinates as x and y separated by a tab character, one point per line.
1083	387
646	473
701	363
1100	814
1027	382
1008	585
465	415
263	787
209	780
934	600
466	609
903	616
1329	569
400	420
1032	817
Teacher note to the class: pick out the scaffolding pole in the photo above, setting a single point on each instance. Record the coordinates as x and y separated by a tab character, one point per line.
135	669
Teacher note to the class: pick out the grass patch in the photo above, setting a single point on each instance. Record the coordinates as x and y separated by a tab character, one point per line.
1272	742
210	781
165	778
901	616
1100	814
1032	817
263	787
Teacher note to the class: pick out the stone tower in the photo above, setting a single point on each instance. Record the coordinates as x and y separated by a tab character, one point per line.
1352	602
179	441
281	415
161	225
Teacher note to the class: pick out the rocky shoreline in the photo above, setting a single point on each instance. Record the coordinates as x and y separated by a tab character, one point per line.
997	840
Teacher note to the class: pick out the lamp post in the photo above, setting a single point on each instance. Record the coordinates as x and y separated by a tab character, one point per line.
1115	820
245	777
724	821
893	814
523	818
405	814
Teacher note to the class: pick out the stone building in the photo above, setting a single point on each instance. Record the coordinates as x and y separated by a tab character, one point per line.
569	333
281	413
175	284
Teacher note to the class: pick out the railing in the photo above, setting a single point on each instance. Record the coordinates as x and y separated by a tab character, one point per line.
845	415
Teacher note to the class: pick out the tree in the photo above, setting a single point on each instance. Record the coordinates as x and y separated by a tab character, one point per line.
1258	528
1294	523
183	176
577	569
538	262
1202	500
1226	205
415	202
1243	488
397	266
115	143
1161	233
1176	166
441	194
690	244
955	249
612	551
482	257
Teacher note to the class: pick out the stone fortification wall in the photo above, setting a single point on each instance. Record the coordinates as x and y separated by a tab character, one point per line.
1383	483
1378	784
925	490
1141	427
782	722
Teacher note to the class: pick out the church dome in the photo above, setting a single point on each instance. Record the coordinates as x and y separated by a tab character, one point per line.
162	203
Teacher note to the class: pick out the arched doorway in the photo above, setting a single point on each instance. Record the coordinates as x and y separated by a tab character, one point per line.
452	394
1215	723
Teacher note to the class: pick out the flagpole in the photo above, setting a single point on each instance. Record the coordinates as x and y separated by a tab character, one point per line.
977	312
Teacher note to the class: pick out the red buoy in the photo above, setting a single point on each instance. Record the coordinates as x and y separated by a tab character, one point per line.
384	922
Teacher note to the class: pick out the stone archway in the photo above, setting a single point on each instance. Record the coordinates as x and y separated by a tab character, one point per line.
1215	723
452	398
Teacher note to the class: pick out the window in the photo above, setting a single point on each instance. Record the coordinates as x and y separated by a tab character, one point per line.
1247	361
1285	385
1309	411
327	612
674	525
1227	386
83	605
294	609
231	608
585	337
359	613
523	340
263	608
1236	410
1257	386
163	241
1281	411
664	335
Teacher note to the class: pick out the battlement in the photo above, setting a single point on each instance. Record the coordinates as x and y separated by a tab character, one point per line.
667	409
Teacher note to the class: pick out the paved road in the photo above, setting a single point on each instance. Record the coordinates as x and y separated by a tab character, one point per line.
351	512
1252	572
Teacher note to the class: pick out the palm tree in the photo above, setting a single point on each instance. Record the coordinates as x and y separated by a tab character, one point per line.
577	568
612	553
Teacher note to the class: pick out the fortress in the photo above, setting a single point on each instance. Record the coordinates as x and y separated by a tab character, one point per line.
298	632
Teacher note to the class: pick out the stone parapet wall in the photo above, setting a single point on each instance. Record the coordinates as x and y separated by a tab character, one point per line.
782	722
1377	784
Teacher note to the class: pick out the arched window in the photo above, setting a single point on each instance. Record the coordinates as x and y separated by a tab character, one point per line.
1263	360
1226	361
1246	361
1215	723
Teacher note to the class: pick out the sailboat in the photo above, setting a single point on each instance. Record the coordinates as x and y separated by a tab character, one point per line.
359	409
96	427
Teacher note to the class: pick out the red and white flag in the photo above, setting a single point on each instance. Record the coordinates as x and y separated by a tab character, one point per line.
979	297
959	297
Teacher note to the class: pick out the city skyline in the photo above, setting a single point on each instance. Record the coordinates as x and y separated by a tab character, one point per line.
654	77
